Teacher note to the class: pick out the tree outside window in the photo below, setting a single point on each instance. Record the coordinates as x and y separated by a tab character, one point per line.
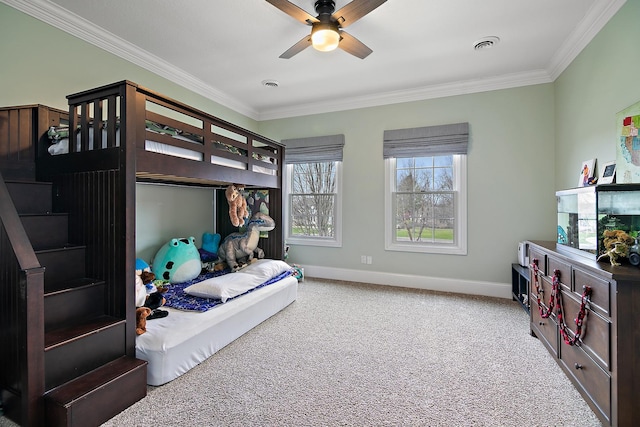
424	199
426	204
313	203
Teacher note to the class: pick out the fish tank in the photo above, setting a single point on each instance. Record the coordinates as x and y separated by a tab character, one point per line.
585	213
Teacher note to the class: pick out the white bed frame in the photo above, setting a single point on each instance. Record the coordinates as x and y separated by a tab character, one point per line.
177	343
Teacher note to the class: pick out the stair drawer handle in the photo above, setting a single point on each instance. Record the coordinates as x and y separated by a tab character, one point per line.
577	365
541	323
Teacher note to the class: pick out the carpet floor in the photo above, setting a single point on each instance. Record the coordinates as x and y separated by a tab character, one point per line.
347	354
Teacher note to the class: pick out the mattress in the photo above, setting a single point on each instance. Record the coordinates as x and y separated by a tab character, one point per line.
177	343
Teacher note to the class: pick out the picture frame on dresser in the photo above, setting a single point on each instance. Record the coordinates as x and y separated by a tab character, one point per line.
587	173
608	173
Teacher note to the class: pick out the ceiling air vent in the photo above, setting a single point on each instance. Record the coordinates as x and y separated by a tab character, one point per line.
486	43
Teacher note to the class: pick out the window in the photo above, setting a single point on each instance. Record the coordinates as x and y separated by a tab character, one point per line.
425	204
313	190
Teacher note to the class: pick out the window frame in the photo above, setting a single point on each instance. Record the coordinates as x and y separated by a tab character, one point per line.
336	240
459	246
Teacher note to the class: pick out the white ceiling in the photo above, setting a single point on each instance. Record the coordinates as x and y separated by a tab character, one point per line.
421	48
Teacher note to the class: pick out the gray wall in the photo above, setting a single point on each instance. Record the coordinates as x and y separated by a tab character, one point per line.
525	144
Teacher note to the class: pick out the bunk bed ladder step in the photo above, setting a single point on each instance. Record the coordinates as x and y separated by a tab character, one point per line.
46	230
31	197
72	302
62	264
80	348
97	396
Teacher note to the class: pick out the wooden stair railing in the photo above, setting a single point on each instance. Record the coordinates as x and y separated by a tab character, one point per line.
22	311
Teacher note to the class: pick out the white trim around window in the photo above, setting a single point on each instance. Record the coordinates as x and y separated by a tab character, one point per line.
459	246
336	241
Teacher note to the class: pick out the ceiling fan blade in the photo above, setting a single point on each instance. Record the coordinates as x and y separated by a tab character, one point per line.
352	45
355	10
294	11
304	43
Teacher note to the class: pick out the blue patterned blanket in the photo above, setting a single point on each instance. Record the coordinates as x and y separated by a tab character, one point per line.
176	297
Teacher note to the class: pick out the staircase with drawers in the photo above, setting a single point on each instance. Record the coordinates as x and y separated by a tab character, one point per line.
67	351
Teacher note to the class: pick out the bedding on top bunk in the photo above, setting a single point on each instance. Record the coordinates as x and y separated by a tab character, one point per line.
185	338
59	136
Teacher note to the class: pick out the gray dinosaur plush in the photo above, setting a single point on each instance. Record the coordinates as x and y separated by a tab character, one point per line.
241	246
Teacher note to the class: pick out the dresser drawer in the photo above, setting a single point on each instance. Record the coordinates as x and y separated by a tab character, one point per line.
564	270
545	329
596	330
542	291
595	382
534	254
600	290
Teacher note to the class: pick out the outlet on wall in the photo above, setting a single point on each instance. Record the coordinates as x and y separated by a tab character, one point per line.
369	259
363	259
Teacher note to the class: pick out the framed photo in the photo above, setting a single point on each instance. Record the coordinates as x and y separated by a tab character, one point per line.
608	173
587	173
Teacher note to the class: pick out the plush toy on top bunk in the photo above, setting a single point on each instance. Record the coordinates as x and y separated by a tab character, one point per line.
238	248
237	204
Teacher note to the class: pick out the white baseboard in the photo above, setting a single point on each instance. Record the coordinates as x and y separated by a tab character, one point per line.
472	287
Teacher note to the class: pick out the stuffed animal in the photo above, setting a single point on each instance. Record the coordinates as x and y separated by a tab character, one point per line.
237	204
141	319
144	282
177	261
154	301
209	249
238	248
148	278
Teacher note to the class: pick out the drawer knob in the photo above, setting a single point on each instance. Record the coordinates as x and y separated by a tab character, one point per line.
577	365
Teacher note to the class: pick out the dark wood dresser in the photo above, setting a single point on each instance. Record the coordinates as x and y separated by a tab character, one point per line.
604	364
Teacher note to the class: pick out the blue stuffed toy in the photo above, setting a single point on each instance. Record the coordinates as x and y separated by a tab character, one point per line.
210	244
178	261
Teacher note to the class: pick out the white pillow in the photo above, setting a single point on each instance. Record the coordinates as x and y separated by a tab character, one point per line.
234	284
266	268
224	287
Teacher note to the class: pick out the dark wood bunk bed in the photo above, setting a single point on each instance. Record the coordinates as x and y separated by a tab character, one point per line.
67	307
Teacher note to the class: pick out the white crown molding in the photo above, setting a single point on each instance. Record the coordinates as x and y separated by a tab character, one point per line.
593	22
416	94
439	284
60	18
79	27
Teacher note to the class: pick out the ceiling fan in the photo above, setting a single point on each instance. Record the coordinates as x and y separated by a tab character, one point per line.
327	28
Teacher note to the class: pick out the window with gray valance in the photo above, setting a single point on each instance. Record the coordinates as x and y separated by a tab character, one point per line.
314	149
426	141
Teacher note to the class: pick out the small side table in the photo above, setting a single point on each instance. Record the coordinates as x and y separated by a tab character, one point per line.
520	285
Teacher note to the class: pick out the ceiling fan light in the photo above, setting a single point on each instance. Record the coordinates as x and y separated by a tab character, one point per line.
325	39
